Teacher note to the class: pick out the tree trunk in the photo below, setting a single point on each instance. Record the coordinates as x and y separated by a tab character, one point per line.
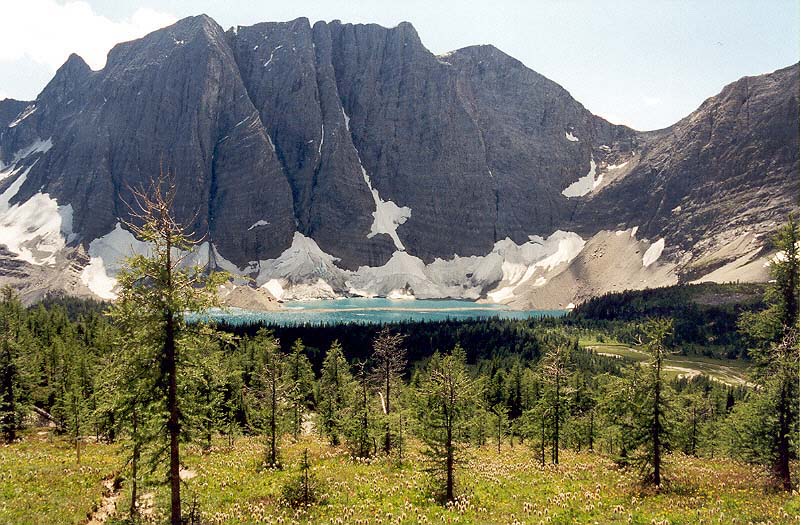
173	422
134	511
783	463
77	437
542	441
500	431
655	427
8	418
273	459
556	426
449	462
387	436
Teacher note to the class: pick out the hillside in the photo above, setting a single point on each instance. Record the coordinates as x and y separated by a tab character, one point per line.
330	159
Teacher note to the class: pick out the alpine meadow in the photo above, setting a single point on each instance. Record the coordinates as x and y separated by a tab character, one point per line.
295	272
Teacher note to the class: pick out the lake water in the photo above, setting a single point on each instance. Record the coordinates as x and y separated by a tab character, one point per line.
377	310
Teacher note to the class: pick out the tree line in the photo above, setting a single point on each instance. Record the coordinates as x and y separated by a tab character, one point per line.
141	373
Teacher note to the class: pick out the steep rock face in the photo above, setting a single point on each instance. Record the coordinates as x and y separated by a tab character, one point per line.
173	99
343	158
9	109
727	170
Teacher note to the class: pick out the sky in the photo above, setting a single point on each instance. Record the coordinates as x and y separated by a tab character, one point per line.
645	64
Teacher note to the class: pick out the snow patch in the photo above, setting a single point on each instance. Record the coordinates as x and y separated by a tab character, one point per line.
537	257
272	54
401	294
322	139
569	136
275	288
27	112
617	166
258	223
347	119
36	229
97	279
302	260
585	184
653	252
387	215
113	247
37	146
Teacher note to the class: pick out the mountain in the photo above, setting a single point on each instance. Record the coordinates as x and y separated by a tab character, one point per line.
331	159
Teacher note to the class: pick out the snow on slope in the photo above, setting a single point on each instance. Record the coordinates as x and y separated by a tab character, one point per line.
387	215
37	229
653	252
537	258
302	271
585	184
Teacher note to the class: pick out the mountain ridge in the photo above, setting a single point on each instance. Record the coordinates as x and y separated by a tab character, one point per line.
359	139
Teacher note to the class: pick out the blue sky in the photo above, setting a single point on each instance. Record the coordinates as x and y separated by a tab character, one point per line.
643	64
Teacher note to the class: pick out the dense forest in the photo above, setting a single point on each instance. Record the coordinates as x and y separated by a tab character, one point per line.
137	372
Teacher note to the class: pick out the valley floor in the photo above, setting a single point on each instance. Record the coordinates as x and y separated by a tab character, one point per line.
40	483
733	372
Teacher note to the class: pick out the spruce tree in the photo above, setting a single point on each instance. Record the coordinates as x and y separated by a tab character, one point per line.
389	360
335	392
157	290
299	379
774	335
10	375
446	397
270	391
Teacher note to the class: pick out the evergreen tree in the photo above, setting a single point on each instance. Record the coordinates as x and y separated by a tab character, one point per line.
156	291
774	332
10	374
335	392
447	396
358	419
389	358
653	403
270	390
555	370
299	380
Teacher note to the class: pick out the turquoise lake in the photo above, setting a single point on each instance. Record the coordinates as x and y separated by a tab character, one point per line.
377	310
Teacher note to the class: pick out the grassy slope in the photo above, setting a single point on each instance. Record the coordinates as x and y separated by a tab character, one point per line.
730	371
40	484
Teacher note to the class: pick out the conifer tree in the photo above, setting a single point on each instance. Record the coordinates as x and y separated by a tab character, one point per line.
389	358
335	392
774	334
271	391
359	421
555	370
299	379
652	433
447	395
156	291
10	374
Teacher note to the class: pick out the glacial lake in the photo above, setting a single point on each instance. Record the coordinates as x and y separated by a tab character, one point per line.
376	310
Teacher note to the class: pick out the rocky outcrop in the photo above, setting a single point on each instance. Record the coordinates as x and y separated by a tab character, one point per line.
337	158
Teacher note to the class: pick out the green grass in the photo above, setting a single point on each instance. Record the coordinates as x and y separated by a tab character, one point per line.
730	371
40	484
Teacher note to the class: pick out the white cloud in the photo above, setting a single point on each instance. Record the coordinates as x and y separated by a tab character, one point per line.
46	31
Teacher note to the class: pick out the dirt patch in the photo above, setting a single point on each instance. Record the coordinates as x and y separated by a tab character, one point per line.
108	505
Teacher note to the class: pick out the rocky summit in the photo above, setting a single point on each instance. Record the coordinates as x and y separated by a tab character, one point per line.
339	159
